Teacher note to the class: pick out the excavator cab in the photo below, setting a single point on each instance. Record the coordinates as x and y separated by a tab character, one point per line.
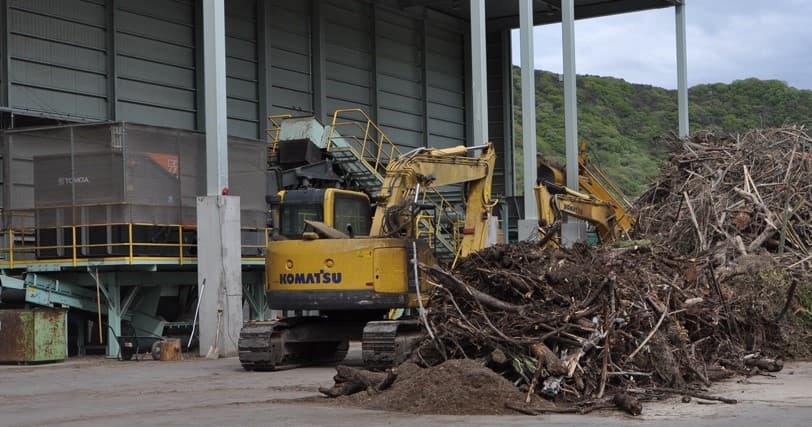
347	211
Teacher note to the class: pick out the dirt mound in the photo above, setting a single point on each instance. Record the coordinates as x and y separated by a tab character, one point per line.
455	387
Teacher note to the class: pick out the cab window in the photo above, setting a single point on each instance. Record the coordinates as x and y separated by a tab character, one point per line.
354	211
292	219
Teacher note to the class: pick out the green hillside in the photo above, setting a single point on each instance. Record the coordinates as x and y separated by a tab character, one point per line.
620	121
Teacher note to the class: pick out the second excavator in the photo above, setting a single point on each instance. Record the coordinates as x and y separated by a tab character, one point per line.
599	202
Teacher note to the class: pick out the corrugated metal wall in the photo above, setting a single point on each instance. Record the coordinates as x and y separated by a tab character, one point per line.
348	55
58	57
445	61
399	82
242	72
156	63
291	58
406	69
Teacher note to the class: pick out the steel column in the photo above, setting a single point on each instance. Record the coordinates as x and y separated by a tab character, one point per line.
200	87
264	66
373	47
572	230
425	76
507	115
479	73
112	74
528	106
5	56
319	65
570	100
214	74
507	130
682	71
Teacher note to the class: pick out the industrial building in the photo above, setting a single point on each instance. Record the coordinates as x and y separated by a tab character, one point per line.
137	92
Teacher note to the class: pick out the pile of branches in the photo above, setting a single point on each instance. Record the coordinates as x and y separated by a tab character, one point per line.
588	327
728	196
742	204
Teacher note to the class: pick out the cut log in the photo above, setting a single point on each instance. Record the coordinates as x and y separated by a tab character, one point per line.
349	380
170	350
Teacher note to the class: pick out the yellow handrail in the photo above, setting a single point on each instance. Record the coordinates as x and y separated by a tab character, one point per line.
273	131
385	151
17	255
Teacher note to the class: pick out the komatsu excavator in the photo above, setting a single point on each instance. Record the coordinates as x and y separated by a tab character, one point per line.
600	202
349	267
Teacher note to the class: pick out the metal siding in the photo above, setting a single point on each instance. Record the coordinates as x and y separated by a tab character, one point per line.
349	58
291	84
399	67
155	62
242	81
57	58
446	83
4	64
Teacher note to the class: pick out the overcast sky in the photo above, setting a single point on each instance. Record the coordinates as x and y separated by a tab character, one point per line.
727	40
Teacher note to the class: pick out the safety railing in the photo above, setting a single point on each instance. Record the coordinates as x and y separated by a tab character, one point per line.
275	121
354	129
126	243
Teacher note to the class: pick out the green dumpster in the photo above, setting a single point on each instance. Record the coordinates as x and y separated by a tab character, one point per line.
32	336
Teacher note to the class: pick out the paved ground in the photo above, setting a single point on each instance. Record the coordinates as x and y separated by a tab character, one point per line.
100	392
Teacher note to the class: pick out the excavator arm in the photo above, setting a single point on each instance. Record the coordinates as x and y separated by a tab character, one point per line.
424	171
599	200
600	213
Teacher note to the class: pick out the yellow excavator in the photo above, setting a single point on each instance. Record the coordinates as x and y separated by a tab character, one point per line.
600	202
348	267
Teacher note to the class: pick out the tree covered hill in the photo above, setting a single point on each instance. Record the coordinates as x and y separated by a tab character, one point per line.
621	122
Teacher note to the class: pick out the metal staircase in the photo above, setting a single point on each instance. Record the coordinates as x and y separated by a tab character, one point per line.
363	151
356	173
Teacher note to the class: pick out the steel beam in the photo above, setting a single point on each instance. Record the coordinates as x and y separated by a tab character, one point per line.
570	99
682	71
479	73
318	59
111	49
5	56
528	106
507	130
214	74
374	93
264	66
573	230
425	77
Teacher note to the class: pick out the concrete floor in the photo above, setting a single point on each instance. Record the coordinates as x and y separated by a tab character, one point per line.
100	392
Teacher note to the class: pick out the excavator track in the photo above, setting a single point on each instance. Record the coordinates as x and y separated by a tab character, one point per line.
274	345
387	343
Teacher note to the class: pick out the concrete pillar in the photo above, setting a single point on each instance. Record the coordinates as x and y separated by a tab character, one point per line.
479	73
219	274
682	71
572	230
